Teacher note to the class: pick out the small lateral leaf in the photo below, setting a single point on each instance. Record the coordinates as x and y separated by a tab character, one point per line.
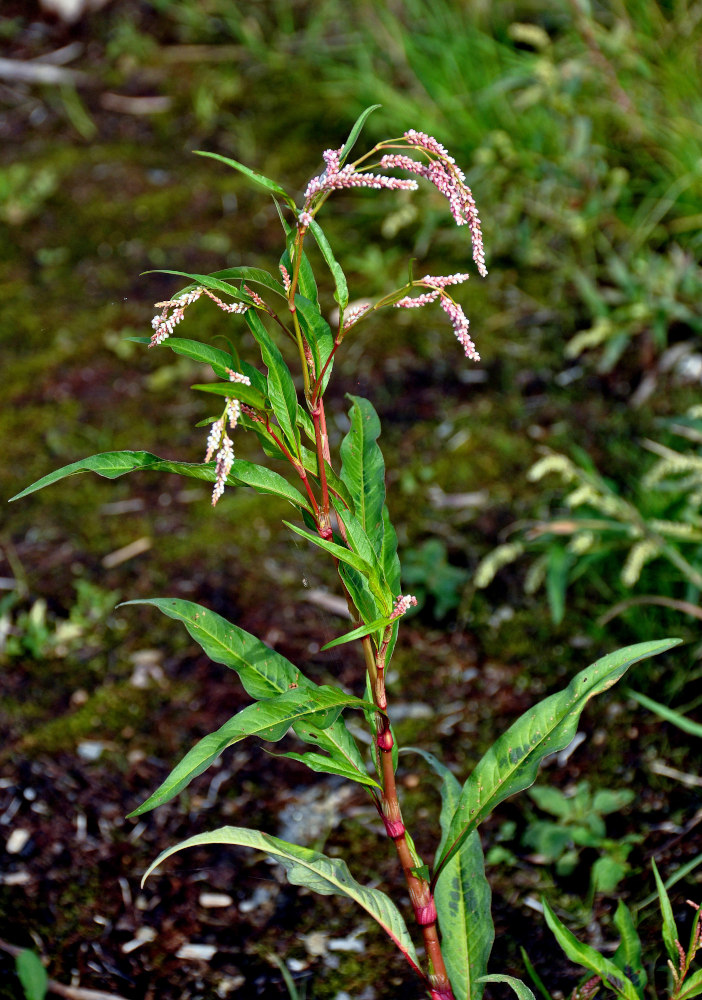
341	294
670	931
305	867
31	974
235	390
253	175
692	987
329	765
209	281
512	762
585	956
355	132
269	720
336	740
358	633
338	551
521	989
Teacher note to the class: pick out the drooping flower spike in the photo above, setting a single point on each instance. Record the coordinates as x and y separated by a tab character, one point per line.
164	325
437	292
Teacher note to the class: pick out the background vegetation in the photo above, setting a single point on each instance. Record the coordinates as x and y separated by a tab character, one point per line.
579	128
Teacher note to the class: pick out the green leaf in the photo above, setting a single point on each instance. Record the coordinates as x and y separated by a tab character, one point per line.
462	896
341	294
355	132
511	764
692	986
330	765
208	281
112	464
669	714
317	334
256	275
235	390
281	388
306	284
358	633
31	974
327	876
253	175
338	551
627	957
338	743
557	568
534	976
218	360
369	608
361	544
363	469
520	988
670	931
269	720
263	672
585	956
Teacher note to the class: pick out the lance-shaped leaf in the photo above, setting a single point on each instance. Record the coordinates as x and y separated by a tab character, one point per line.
269	720
670	931
112	464
521	989
208	281
281	388
306	284
31	974
338	551
253	175
361	545
585	956
344	756
462	896
627	957
511	764
692	986
356	131
358	633
363	469
235	390
218	360
317	334
315	871
341	293
263	672
256	275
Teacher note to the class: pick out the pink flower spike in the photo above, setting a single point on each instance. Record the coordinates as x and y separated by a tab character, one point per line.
285	276
402	605
304	220
420	300
225	460
352	315
238	377
215	436
460	326
445	281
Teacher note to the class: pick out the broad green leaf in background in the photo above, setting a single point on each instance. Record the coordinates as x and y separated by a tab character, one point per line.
670	931
585	956
627	957
363	468
341	293
112	464
263	672
462	896
355	132
281	388
269	720
305	867
512	762
31	974
253	175
521	989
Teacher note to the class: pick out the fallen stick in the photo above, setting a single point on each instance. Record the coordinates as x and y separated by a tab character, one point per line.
70	992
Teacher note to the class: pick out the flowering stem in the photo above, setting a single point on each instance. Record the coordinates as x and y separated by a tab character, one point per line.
299	468
322	446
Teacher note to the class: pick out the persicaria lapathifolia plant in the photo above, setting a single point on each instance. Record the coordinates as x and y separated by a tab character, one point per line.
342	507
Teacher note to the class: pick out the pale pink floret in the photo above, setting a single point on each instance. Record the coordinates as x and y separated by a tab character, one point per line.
238	377
402	605
419	300
352	315
213	439
225	460
164	325
304	220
